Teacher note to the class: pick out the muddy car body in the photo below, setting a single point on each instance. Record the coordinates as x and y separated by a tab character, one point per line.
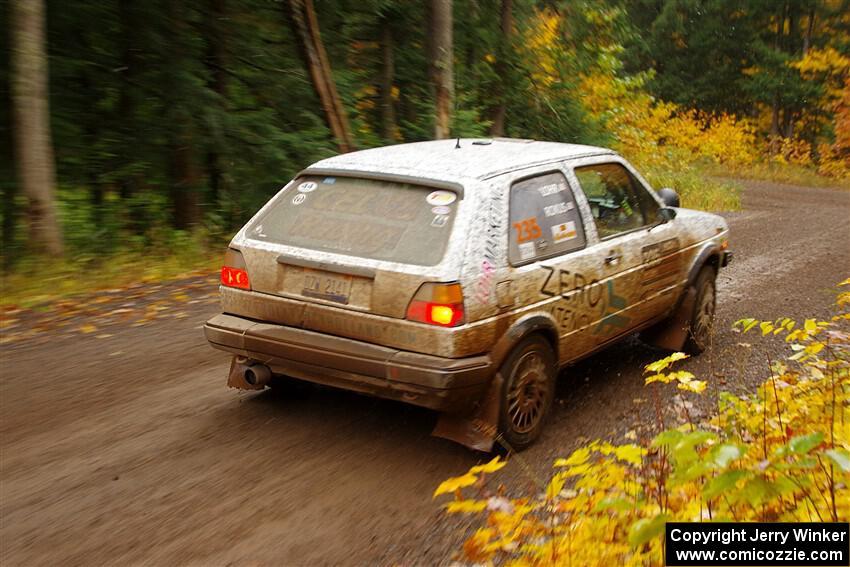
461	275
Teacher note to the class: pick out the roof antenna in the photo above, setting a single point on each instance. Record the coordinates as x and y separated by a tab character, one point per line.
457	145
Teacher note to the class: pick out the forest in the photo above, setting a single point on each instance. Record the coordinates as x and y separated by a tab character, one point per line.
154	129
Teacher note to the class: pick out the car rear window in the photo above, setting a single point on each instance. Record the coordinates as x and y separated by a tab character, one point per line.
381	220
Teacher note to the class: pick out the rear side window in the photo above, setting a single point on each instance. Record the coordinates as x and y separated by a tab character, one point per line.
545	221
618	202
380	220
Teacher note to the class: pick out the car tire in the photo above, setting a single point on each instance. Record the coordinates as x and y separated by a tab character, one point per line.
528	388
702	318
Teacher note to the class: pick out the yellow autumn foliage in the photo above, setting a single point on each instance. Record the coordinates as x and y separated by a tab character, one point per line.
782	454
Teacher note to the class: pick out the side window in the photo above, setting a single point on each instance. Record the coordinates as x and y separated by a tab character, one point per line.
544	219
619	203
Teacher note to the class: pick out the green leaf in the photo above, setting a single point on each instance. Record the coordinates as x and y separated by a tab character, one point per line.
617	504
723	483
802	444
646	528
722	455
840	457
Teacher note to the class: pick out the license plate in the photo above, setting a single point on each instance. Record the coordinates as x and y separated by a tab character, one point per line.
327	286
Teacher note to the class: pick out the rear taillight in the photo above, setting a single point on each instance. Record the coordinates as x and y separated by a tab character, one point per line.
233	273
437	304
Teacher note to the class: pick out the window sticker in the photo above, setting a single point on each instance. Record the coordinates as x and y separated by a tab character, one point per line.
564	231
440	221
437	198
308	186
299	198
527	251
527	229
329	180
551	189
558	209
441	210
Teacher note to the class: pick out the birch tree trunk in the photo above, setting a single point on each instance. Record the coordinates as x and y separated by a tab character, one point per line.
33	145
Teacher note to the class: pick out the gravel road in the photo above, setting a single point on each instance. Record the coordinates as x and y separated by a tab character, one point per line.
124	447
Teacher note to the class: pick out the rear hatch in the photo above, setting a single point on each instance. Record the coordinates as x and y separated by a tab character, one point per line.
352	243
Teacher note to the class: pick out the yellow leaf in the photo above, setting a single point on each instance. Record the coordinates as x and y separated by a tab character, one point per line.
695	386
555	486
630	453
577	457
87	328
455	483
491	467
810	326
466	506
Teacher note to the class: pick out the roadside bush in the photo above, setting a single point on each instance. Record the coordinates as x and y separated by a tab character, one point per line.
782	454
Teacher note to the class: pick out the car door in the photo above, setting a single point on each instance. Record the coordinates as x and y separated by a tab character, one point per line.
639	254
554	262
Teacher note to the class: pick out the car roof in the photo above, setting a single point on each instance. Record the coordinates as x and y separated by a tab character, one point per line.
443	160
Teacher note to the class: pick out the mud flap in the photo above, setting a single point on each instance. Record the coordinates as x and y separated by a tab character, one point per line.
236	377
672	333
478	428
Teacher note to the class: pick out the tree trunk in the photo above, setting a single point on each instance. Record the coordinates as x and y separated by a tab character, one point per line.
442	74
217	83
307	29
497	128
810	28
126	101
472	18
34	148
184	182
183	156
388	121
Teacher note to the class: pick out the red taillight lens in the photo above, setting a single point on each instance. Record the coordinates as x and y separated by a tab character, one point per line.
234	277
437	304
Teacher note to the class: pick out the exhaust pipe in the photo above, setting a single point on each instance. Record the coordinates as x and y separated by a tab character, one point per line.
257	375
247	374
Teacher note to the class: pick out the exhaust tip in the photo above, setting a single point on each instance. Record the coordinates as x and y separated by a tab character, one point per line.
258	375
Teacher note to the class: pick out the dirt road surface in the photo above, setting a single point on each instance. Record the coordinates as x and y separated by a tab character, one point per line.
124	447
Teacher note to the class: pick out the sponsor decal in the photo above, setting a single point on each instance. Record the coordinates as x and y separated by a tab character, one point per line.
441	210
329	180
564	231
308	186
558	209
299	198
437	198
551	189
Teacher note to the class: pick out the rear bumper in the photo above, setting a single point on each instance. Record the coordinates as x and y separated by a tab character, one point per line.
443	384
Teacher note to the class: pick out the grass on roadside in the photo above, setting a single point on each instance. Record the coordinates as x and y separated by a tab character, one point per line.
36	282
789	174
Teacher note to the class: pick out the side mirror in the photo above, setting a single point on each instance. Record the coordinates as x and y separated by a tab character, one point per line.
666	214
669	197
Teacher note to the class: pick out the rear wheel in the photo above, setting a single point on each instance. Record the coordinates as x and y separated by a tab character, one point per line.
702	318
527	392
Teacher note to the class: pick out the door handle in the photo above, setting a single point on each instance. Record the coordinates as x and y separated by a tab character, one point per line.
613	258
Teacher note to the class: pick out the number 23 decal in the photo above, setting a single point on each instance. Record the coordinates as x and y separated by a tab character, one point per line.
527	229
